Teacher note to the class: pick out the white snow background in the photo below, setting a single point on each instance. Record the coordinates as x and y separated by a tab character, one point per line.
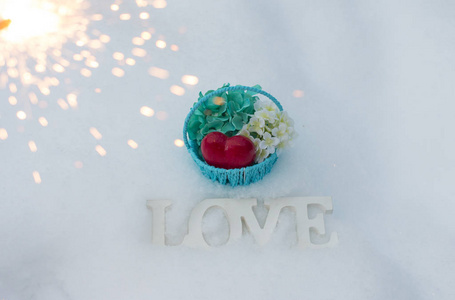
376	132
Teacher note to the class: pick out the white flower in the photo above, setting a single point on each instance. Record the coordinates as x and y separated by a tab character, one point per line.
261	155
266	115
282	145
283	117
290	130
256	143
281	132
265	105
256	125
244	131
268	142
269	129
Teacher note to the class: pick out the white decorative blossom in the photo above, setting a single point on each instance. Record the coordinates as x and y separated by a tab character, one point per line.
284	118
281	146
256	142
269	116
256	125
269	142
281	132
244	131
270	130
267	105
261	155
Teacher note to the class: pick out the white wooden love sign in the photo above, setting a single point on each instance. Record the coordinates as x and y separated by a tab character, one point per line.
237	210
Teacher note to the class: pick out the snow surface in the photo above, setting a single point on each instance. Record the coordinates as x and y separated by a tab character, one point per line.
376	133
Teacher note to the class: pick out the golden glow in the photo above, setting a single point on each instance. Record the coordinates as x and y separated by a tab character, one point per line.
101	151
139	52
105	38
146	35
144	15
21	115
147	111
33	98
141	3
43	121
3	134
44	89
97	17
29	19
177	90
12	100
36	177
13	88
174	48
96	134
118	56
159	3
4	24
58	68
72	100
32	44
190	79
159	73
32	146
161	115
125	17
138	41
86	72
182	30
114	7
298	94
118	72
62	103
179	143
130	61
132	144
42	104
160	44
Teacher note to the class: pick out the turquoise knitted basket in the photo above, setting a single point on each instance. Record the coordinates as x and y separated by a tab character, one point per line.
234	177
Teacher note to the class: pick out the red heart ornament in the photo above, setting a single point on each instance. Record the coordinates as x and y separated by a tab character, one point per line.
225	152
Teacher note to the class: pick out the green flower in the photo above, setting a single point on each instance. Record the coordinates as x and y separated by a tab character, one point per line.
226	113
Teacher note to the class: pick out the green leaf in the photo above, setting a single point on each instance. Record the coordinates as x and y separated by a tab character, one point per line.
237	121
235	97
227	127
216	124
257	86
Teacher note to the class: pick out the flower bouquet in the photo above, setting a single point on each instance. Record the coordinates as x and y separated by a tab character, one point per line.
234	136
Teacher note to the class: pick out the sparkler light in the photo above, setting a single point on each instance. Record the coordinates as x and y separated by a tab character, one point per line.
30	20
42	44
33	33
4	24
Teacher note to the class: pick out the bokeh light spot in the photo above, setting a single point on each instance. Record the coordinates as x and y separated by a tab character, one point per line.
132	144
147	111
160	44
298	93
101	151
159	73
21	115
179	143
190	79
177	90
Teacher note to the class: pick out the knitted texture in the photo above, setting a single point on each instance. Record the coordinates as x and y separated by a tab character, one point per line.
234	177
